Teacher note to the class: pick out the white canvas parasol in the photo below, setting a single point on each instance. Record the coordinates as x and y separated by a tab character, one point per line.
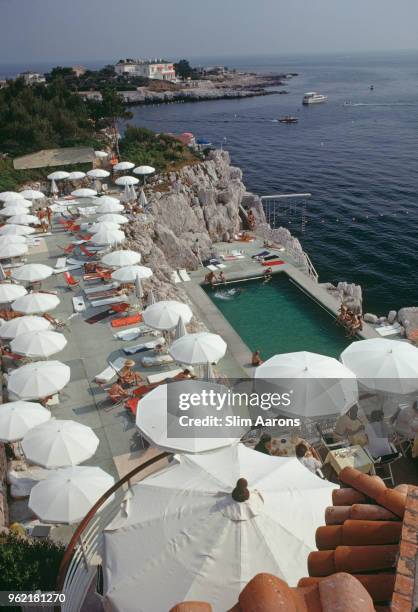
38	380
164	315
39	344
128	274
17	418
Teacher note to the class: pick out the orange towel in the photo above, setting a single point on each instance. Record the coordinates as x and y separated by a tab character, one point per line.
277	262
125	321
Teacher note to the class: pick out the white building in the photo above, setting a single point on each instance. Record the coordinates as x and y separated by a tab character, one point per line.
31	78
150	69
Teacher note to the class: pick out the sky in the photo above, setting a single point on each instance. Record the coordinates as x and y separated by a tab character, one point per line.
91	30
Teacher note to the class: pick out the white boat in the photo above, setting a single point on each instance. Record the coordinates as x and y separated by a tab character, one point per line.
312	97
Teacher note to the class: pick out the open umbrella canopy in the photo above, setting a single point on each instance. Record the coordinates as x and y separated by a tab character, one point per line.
84	193
13	250
32	194
159	413
41	344
9	195
144	170
23	220
23	325
38	380
12	239
59	443
190	526
17	418
101	154
197	349
98	173
10	293
164	315
118	259
113	218
16	230
122	166
128	274
127	180
12	210
143	199
103	225
76	176
32	273
109	207
108	236
35	303
320	385
59	175
67	494
382	365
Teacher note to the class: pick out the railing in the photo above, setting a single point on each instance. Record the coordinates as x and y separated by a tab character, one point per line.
84	552
273	214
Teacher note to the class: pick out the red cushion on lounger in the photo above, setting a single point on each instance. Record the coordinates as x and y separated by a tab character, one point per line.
276	262
132	405
124	321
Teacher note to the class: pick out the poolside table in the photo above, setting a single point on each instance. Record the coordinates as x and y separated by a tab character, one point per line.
352	456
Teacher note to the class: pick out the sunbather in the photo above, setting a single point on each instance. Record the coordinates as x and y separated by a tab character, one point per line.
185	375
222	278
267	275
127	375
251	219
256	359
117	392
355	326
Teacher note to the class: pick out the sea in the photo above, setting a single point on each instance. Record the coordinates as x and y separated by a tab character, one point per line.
357	155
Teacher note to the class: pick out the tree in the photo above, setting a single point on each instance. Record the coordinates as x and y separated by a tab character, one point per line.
113	108
183	69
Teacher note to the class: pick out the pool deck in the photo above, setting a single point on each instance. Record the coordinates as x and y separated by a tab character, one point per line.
237	361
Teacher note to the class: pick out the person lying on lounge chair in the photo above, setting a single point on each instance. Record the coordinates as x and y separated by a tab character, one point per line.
356	326
185	375
127	375
117	392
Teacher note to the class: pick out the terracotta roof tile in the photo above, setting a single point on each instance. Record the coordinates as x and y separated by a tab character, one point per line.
375	488
379	586
352	559
192	606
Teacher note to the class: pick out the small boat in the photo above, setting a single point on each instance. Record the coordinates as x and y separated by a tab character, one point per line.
371	87
312	97
288	119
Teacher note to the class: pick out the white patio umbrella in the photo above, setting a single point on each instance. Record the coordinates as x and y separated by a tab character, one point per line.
59	175
13	250
187	521
12	239
59	443
180	329
14	209
126	195
109	207
104	199
23	220
23	325
10	293
144	170
9	195
41	344
35	303
143	199
76	176
101	154
54	188
197	349
151	299
32	272
108	236
67	494
382	365
103	225
158	419
132	193
98	173
84	192
39	379
118	259
165	315
32	194
20	202
113	218
124	165
319	385
16	230
127	180
17	418
128	274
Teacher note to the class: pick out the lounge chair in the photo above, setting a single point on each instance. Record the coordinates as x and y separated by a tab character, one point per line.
91	290
111	371
70	280
125	321
61	262
68	249
135	332
162	376
175	278
86	251
276	262
159	360
389	330
107	301
183	275
144	346
260	254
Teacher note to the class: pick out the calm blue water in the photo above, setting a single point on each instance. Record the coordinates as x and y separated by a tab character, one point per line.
360	162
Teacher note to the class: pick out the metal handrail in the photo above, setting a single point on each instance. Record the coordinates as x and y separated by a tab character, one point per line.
76	570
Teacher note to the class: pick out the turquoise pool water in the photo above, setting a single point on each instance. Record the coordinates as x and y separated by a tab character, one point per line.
279	318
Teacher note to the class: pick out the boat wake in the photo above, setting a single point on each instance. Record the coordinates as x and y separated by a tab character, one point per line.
379	104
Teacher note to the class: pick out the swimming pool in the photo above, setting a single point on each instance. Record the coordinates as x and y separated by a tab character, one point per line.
278	317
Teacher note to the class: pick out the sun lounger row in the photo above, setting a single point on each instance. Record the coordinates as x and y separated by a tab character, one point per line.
144	346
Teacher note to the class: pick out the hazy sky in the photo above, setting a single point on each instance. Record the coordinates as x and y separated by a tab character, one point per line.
38	30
